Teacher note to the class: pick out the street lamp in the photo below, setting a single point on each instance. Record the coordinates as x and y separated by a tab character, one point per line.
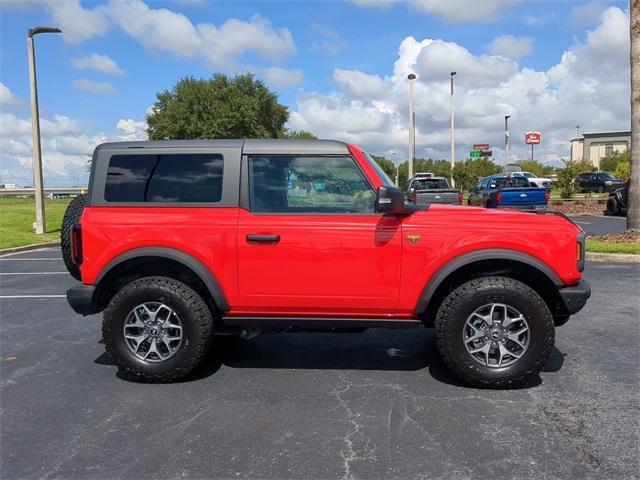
506	139
35	127
412	125
453	140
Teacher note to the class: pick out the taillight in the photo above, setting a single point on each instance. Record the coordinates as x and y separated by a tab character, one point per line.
76	244
460	198
498	197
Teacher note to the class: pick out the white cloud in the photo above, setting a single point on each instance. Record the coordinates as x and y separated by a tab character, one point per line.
99	63
281	77
588	86
359	85
330	40
157	29
101	88
76	22
511	47
449	10
7	99
223	45
66	147
130	129
587	13
163	30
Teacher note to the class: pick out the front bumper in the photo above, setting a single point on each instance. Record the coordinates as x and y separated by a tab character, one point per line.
85	299
575	297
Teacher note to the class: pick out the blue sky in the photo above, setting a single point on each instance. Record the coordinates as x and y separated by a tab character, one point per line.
339	66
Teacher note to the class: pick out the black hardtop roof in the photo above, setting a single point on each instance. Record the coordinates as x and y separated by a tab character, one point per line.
266	146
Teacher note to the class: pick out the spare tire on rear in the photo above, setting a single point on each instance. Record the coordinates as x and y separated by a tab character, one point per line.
71	216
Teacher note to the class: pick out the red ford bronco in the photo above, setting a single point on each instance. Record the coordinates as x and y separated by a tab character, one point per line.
180	241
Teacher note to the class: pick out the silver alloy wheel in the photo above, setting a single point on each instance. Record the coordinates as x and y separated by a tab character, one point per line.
153	332
496	335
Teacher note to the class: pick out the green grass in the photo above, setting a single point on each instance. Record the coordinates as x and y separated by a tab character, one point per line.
16	221
610	247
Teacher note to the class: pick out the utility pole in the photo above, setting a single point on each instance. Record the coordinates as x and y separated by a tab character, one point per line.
577	131
412	132
506	139
40	226
633	208
453	135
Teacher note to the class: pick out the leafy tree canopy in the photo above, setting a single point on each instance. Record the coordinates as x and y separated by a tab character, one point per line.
219	107
535	167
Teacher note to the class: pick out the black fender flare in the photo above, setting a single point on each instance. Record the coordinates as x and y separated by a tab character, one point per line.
207	277
489	254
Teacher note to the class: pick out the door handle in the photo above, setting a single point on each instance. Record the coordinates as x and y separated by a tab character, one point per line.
258	238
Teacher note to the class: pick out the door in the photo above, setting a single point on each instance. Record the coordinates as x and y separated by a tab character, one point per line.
310	242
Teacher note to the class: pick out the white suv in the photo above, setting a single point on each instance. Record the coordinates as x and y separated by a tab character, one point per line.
534	181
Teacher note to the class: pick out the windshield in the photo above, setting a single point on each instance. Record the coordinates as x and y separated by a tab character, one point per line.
528	174
607	176
381	173
429	184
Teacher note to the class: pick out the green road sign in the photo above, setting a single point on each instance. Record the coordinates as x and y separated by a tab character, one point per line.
475	154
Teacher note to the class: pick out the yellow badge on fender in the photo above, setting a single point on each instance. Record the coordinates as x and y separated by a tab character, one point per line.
413	238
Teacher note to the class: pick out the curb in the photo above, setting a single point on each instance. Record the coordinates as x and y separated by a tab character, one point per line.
613	257
28	248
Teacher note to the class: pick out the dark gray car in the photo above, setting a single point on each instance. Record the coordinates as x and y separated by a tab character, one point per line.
434	190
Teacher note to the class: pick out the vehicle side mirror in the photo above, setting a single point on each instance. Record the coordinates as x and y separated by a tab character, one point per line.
391	200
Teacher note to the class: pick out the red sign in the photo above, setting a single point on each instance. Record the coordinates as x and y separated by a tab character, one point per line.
480	146
532	138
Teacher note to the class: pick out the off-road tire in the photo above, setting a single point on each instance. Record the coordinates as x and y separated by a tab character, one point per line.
460	303
613	208
71	217
197	325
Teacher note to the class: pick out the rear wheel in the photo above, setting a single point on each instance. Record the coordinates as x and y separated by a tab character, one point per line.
494	332
157	329
71	216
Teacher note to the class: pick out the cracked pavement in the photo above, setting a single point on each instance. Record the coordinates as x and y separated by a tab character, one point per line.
334	406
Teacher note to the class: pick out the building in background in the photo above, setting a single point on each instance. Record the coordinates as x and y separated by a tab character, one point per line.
594	146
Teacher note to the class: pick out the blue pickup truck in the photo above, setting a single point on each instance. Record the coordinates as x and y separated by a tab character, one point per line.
500	191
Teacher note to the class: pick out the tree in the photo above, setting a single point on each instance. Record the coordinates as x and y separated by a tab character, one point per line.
219	107
298	135
633	211
567	176
610	163
535	167
386	165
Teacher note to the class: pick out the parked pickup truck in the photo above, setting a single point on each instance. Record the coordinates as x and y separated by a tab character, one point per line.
498	191
434	190
182	243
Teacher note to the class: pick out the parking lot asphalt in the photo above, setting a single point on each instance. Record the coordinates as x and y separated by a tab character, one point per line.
600	225
300	405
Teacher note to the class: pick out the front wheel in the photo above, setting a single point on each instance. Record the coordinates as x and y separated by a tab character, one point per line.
157	329
494	332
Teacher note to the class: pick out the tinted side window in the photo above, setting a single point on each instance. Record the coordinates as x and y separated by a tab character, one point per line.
287	184
164	178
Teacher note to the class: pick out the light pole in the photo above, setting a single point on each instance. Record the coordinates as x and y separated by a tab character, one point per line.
506	139
412	126
40	226
453	138
577	131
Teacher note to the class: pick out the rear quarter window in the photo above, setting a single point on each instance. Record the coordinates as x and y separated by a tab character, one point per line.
165	178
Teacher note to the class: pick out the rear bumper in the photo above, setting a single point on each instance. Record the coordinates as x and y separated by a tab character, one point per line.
84	299
575	297
526	208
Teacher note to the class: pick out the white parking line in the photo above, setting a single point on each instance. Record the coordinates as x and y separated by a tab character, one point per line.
32	296
29	259
33	273
31	251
